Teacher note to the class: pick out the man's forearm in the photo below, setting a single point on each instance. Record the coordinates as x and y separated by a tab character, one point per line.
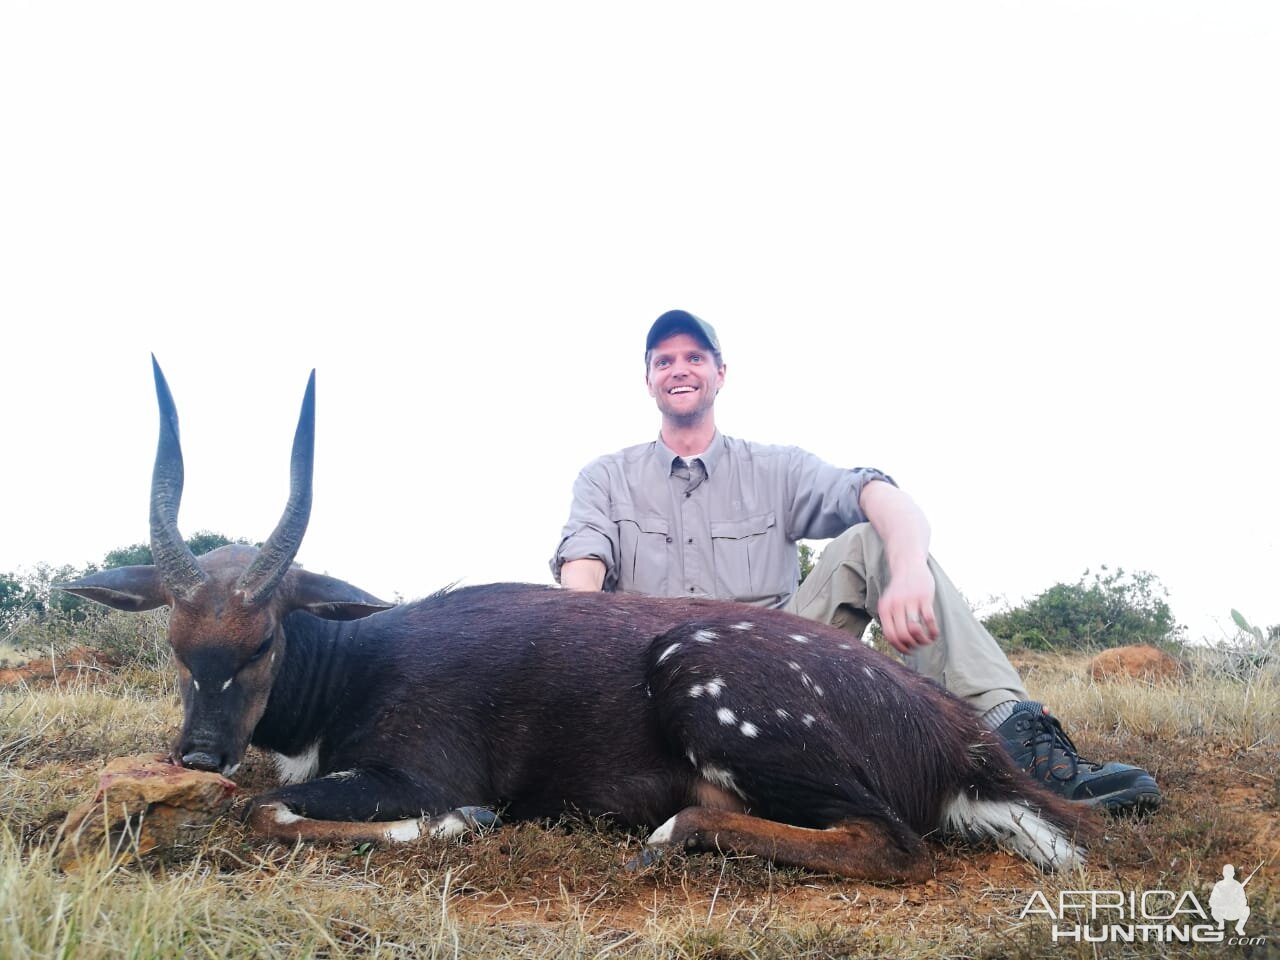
901	524
585	574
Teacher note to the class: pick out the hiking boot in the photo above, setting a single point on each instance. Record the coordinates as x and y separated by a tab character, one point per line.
1038	744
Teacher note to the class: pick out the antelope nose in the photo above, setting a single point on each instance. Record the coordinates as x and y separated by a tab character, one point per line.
199	760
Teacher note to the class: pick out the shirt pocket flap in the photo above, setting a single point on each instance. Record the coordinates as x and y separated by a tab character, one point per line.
646	524
741	529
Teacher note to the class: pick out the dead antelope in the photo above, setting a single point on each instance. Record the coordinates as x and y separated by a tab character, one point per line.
731	727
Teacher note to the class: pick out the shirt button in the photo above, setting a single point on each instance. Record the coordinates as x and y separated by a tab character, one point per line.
688	493
691	539
671	540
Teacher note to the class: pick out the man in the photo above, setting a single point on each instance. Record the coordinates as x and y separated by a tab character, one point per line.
1227	900
696	513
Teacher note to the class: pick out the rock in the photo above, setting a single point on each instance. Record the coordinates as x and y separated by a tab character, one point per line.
1140	662
144	804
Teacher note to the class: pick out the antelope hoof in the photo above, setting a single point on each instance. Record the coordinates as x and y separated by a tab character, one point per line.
459	822
654	847
647	857
479	819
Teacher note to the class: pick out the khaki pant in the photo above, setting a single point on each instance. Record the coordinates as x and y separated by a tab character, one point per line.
844	588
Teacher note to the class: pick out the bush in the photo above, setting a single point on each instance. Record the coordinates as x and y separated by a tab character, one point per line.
135	554
34	613
30	594
130	639
807	560
14	600
1112	609
1245	656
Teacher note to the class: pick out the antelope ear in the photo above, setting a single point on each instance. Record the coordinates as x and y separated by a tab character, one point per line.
333	599
125	588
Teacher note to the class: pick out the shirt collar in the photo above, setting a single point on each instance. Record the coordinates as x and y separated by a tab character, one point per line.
665	456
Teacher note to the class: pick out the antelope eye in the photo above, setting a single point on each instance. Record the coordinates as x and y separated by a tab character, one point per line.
262	648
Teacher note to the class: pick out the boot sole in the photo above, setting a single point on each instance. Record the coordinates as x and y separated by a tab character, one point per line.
1137	801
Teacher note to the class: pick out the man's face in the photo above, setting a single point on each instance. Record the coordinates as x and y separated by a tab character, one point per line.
683	377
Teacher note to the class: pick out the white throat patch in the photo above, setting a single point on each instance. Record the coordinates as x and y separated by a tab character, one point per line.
300	768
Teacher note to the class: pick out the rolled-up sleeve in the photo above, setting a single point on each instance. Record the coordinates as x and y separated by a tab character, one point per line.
589	533
824	498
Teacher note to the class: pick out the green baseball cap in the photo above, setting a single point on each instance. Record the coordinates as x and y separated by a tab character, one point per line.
681	321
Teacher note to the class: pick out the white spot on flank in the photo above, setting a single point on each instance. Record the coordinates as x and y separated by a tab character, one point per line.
845	646
741	626
793	665
668	652
195	683
299	768
715	685
273	656
402	831
1018	826
692	758
706	636
340	775
695	690
227	684
867	671
782	714
726	716
809	684
799	638
749	729
808	719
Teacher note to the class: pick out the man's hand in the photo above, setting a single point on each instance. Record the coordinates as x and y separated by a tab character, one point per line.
585	574
906	609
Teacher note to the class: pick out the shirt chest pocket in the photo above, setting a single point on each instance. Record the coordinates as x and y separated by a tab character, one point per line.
644	553
741	552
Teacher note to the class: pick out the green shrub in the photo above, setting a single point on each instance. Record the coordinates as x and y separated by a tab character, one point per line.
35	614
201	542
14	599
1111	609
807	560
30	594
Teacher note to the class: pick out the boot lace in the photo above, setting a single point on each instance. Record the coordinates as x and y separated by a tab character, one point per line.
1047	739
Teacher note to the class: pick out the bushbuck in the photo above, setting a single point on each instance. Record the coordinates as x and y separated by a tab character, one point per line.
725	726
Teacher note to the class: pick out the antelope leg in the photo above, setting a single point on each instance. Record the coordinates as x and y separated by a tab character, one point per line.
859	848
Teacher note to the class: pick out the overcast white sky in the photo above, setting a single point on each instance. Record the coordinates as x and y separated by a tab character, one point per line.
1023	256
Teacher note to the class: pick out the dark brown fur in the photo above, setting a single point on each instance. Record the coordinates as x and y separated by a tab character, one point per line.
533	700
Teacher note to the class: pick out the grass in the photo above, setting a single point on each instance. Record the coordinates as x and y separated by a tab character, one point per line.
561	890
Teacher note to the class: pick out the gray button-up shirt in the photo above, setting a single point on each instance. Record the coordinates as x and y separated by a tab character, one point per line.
723	524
